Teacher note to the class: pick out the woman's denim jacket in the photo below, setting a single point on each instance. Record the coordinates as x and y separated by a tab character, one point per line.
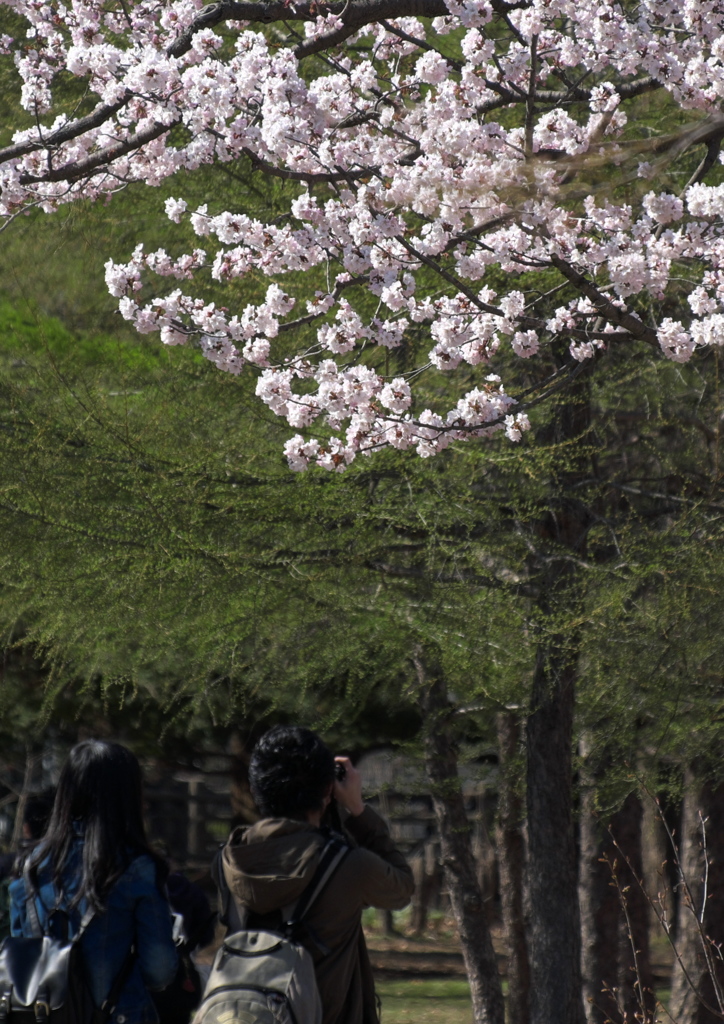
136	913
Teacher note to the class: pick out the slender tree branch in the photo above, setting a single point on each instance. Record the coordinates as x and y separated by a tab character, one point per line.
354	16
310	177
96	162
67	133
604	307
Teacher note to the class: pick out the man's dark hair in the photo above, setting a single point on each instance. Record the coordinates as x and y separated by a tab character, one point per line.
290	772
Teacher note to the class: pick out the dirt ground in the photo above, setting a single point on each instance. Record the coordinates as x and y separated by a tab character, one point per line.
437	954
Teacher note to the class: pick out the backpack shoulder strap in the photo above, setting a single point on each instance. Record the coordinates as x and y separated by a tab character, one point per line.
222	889
332	856
32	894
31	910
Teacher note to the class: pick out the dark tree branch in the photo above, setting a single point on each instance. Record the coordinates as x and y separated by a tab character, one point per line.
89	166
67	133
604	307
492	582
310	177
354	16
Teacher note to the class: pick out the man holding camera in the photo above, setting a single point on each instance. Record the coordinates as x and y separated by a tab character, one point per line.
295	782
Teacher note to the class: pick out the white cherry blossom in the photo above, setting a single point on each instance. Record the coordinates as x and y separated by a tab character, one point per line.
410	189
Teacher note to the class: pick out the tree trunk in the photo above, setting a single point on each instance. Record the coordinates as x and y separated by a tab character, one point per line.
459	866
618	983
386	922
511	867
486	859
428	883
698	978
559	545
656	860
635	976
600	910
31	760
418	918
555	947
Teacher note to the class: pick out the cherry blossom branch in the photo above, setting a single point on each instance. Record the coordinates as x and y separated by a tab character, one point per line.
604	306
99	160
309	177
457	65
68	132
354	15
530	98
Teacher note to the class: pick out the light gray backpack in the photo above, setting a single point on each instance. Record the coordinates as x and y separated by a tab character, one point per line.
267	977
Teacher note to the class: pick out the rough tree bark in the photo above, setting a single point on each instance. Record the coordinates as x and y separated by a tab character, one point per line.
31	762
656	851
459	865
635	976
554	926
511	867
695	997
554	937
615	958
600	912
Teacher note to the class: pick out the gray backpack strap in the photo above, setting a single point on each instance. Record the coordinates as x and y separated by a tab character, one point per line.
332	856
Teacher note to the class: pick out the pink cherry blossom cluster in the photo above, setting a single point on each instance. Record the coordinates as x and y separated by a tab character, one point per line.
411	189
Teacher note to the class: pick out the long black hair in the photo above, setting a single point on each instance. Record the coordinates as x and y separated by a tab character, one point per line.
99	797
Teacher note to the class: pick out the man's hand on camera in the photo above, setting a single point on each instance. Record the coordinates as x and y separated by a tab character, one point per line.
348	790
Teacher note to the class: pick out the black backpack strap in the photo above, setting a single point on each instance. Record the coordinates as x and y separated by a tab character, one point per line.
332	856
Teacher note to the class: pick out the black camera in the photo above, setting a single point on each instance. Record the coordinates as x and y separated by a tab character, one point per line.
340	771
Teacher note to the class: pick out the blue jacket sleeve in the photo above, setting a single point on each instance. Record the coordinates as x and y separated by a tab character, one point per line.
156	952
16	892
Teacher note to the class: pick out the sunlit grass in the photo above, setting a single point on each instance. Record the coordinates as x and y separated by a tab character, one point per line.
421	1001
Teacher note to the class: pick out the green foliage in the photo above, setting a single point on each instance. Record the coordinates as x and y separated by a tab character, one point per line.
163	557
160	543
163	554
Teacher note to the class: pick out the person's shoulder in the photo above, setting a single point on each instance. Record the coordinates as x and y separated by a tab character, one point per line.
359	859
43	875
141	869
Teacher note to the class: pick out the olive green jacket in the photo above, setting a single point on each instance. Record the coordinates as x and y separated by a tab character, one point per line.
268	866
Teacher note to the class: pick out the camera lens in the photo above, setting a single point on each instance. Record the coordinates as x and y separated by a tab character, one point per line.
339	771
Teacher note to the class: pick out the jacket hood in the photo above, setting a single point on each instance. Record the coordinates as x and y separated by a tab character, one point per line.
269	865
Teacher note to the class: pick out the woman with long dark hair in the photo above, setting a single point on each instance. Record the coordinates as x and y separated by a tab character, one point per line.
95	858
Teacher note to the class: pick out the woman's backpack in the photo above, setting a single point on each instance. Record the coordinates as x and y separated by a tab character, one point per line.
268	976
42	980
